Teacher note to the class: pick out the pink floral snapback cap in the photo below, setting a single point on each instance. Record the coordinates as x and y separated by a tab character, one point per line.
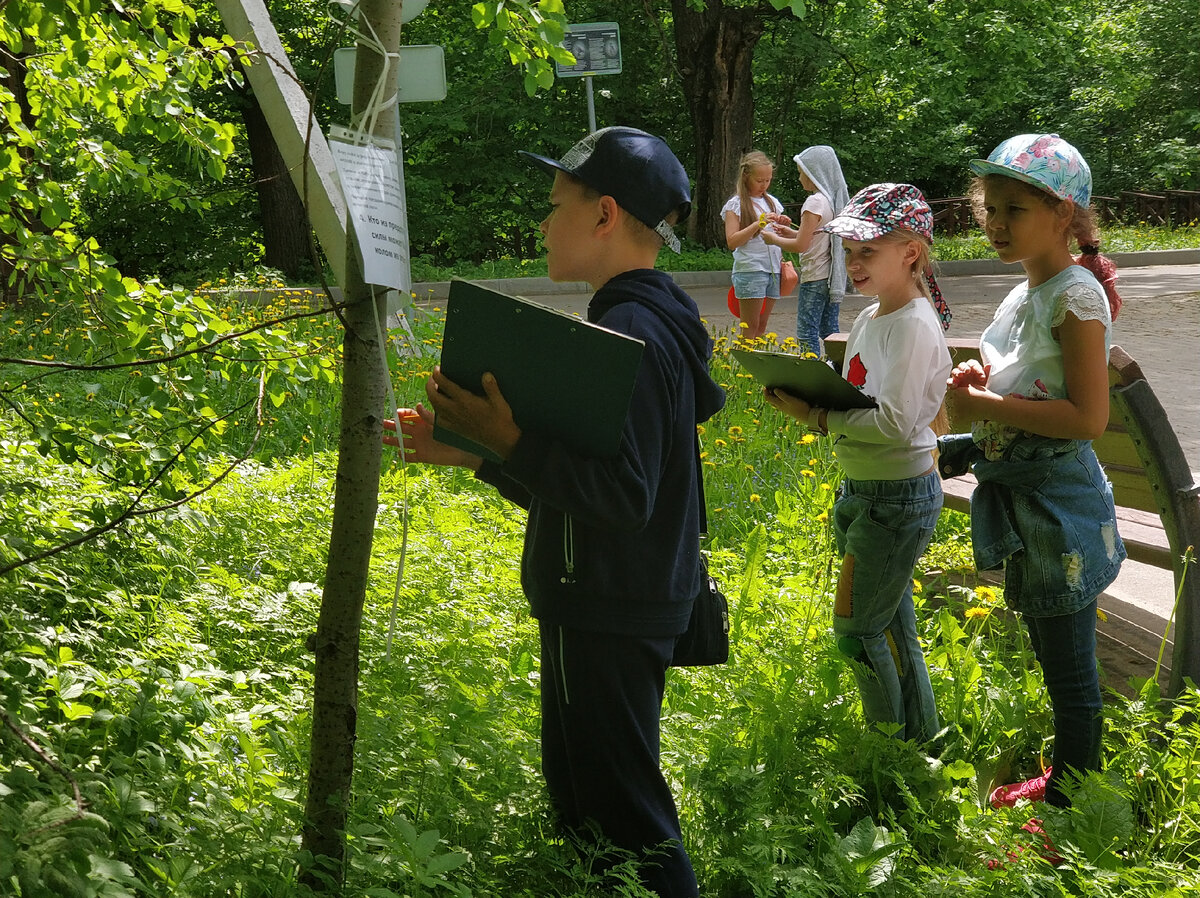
1044	160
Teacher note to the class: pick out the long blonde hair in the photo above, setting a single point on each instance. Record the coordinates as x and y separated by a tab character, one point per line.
940	424
746	166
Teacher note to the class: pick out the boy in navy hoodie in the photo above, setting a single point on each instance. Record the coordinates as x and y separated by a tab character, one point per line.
611	564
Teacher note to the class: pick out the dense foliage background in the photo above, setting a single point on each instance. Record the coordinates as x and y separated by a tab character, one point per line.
903	89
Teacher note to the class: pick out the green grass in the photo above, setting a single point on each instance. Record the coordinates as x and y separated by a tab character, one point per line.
163	670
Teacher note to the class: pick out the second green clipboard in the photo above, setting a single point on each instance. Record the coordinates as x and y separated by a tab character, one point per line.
809	378
562	376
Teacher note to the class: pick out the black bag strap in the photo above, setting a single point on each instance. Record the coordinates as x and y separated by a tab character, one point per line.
700	490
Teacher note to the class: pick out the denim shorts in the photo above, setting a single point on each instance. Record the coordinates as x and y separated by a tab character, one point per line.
756	284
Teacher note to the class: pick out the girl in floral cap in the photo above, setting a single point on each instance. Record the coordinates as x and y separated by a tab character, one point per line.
891	495
1036	398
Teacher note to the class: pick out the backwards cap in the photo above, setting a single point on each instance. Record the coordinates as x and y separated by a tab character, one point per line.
636	169
1044	160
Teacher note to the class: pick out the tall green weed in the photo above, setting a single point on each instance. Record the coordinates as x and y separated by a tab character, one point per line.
163	672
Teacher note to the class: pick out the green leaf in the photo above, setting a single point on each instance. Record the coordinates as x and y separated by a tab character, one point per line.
482	14
444	863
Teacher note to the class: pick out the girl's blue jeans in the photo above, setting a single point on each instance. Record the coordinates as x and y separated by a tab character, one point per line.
816	316
886	525
1065	646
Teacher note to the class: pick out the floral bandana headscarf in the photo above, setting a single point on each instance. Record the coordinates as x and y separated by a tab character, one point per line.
883	208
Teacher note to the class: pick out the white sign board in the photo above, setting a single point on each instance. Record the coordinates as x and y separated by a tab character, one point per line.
420	75
376	206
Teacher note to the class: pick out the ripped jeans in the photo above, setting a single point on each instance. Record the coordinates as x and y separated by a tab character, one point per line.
882	527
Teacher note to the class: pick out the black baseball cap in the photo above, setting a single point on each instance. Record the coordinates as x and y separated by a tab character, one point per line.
636	169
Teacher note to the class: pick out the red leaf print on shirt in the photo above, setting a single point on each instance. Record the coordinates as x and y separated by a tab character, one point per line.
857	372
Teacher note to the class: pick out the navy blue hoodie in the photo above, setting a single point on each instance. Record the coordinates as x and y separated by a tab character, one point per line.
612	544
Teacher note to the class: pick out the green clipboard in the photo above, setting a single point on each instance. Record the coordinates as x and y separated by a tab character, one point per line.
809	378
562	376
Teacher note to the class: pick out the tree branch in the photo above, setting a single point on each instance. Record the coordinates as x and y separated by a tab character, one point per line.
133	511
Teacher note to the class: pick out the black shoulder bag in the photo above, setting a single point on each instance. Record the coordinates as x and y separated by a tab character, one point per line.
706	640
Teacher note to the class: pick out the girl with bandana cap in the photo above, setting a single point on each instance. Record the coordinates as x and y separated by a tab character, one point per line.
823	269
1036	398
891	495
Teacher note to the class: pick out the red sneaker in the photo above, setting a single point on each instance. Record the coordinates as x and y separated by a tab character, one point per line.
1046	851
1030	790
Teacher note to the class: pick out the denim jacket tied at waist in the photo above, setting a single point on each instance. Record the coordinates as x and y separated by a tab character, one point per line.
1045	514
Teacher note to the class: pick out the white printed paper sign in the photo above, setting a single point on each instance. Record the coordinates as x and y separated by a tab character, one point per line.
375	203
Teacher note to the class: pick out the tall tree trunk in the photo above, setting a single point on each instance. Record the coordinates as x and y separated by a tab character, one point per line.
715	51
286	238
356	500
14	282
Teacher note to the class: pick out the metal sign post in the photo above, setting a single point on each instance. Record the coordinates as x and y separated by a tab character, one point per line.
597	51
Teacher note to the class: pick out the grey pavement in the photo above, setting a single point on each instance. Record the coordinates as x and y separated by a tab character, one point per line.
1159	326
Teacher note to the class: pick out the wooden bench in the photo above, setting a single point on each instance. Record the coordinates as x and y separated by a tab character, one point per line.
1158	500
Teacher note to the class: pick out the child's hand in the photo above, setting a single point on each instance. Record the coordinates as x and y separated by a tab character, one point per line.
416	427
787	403
486	419
969	374
969	402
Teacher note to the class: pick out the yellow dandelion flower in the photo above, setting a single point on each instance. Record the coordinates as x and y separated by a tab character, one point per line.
825	486
700	430
807	474
720	443
977	611
806	439
755	497
812	461
750	468
735	431
823	517
1101	616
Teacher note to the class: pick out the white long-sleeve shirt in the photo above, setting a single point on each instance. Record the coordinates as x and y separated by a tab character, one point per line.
902	361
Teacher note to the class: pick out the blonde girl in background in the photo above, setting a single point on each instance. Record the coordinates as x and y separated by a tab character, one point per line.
755	264
891	495
823	267
1038	396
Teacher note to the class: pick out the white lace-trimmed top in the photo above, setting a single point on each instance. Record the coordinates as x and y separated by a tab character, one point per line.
1025	356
